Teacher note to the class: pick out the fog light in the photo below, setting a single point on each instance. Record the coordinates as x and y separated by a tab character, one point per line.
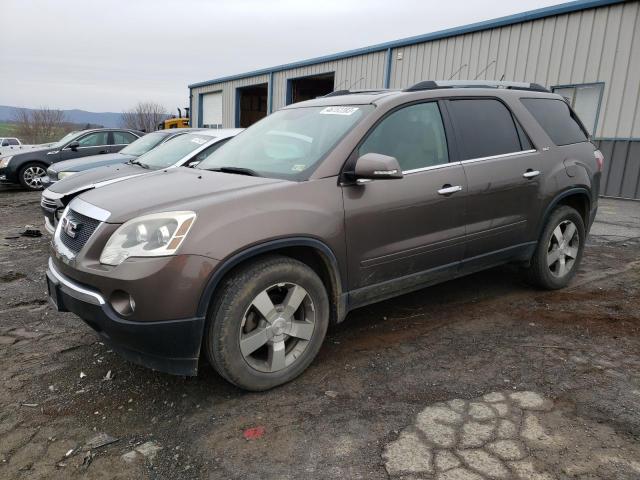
122	302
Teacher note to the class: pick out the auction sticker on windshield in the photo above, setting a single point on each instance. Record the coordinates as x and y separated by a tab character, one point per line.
338	110
199	141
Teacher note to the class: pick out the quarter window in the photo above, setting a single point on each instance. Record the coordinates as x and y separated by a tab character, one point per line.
414	135
485	127
94	139
585	101
557	119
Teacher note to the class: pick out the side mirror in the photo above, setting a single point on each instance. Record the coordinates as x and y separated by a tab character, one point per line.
194	164
375	166
73	146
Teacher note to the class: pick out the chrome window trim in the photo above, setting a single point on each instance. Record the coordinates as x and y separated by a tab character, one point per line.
89	210
502	155
431	167
72	285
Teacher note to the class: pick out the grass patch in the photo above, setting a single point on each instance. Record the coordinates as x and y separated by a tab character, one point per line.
8	129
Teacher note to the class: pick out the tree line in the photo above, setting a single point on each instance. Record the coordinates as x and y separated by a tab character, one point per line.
45	125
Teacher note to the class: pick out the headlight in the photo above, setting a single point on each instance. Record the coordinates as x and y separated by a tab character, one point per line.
4	161
62	175
155	235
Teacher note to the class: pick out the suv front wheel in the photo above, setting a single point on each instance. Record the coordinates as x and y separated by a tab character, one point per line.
559	251
268	323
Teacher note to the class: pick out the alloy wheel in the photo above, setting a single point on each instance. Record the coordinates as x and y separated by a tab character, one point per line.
277	327
563	248
33	176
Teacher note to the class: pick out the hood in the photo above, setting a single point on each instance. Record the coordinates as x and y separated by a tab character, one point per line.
94	161
95	177
179	188
27	150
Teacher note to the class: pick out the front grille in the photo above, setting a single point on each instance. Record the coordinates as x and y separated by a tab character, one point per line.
85	226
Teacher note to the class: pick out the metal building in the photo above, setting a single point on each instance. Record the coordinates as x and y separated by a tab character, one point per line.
586	50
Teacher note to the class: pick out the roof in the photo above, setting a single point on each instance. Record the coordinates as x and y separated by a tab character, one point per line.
553	10
383	96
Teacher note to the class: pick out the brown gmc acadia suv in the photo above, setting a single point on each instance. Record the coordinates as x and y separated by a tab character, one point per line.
320	208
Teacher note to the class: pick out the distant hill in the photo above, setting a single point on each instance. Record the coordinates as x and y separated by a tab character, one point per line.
106	119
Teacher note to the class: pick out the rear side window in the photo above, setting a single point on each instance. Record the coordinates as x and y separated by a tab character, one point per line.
414	135
557	119
485	127
123	138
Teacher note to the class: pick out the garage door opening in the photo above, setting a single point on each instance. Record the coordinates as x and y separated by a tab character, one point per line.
251	104
307	88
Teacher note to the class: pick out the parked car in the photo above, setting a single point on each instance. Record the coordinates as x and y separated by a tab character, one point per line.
142	145
28	167
322	207
9	142
12	145
185	148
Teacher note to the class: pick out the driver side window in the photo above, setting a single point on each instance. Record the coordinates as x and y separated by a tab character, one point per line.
94	139
414	135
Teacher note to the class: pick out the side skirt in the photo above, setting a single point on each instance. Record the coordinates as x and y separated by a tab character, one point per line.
417	281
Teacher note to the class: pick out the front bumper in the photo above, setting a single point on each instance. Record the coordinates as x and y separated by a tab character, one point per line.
171	346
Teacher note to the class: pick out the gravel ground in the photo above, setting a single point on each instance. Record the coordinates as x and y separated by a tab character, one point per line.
478	378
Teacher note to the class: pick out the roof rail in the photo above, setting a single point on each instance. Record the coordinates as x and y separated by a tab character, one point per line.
436	84
337	93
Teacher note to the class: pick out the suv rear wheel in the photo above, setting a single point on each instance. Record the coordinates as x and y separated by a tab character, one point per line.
31	174
267	324
557	257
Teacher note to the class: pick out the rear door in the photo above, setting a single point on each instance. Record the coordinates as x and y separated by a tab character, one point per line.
119	140
410	229
503	172
94	143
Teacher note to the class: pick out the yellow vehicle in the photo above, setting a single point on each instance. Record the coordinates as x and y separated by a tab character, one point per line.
176	122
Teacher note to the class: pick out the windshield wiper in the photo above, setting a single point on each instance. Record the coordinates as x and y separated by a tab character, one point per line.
237	170
136	162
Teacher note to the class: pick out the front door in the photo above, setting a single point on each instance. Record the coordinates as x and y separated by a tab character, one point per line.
503	172
90	144
409	231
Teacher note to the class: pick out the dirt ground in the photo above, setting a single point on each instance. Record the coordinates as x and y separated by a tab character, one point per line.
478	378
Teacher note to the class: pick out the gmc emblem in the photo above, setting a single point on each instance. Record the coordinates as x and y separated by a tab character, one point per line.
70	227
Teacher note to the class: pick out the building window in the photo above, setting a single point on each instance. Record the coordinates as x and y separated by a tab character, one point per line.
585	101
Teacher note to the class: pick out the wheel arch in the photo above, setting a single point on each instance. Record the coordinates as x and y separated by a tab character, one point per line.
578	198
310	251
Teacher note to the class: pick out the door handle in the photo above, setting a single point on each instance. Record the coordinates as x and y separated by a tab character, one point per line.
531	173
448	189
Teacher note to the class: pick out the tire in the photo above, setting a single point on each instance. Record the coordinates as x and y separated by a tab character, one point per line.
30	174
279	343
556	260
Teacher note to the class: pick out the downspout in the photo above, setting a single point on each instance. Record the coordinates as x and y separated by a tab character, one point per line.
387	69
270	94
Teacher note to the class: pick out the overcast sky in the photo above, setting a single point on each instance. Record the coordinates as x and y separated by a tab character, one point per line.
106	56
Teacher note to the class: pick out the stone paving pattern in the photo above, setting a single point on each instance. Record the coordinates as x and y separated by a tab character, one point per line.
501	436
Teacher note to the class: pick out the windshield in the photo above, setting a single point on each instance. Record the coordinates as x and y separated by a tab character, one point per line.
143	144
289	143
173	150
62	142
